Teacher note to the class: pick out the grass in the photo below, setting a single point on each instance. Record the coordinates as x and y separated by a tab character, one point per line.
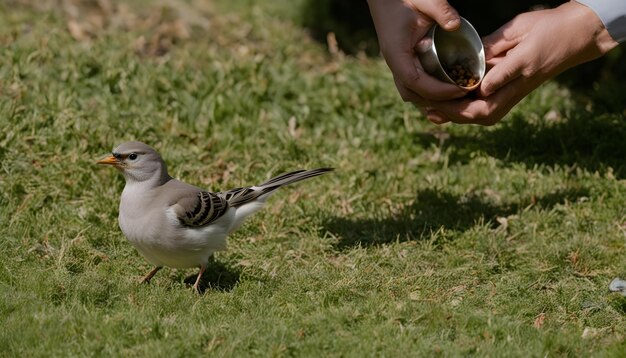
426	240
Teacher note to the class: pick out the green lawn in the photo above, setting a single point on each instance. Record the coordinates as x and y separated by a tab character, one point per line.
425	240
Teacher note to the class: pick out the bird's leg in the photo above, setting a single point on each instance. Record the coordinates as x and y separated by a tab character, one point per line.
196	285
148	277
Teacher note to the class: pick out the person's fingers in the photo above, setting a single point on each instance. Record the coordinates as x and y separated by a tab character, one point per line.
428	87
479	111
432	88
500	41
440	11
465	111
436	117
485	111
411	77
494	61
410	96
507	69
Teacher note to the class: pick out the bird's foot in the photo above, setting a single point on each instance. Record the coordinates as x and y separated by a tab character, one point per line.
146	279
196	286
197	289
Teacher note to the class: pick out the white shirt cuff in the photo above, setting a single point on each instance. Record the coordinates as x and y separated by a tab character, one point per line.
613	16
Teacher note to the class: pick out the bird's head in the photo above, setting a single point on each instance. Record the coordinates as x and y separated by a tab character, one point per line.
137	161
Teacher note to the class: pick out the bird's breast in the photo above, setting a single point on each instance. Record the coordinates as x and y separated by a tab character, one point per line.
140	218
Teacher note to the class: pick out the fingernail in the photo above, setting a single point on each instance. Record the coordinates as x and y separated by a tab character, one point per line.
435	117
437	120
453	23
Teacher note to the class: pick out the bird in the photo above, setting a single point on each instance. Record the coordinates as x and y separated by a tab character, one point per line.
178	225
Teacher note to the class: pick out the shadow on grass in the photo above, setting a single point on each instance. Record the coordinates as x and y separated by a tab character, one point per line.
218	276
591	142
433	211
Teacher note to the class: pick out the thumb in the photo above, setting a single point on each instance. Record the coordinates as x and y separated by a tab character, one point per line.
440	11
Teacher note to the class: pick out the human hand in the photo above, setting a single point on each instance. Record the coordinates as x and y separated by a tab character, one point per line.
524	53
400	25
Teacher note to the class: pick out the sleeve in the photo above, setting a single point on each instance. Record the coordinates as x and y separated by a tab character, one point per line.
613	16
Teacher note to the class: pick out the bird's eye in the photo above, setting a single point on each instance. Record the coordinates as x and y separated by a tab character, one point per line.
132	156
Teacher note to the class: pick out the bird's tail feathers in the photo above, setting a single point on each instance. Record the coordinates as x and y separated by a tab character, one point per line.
249	200
240	196
292	177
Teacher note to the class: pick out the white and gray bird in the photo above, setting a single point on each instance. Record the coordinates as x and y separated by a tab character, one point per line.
176	224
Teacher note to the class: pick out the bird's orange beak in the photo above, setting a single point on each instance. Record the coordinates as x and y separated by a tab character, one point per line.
110	160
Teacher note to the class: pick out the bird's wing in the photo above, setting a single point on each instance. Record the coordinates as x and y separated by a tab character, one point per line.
196	208
200	208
